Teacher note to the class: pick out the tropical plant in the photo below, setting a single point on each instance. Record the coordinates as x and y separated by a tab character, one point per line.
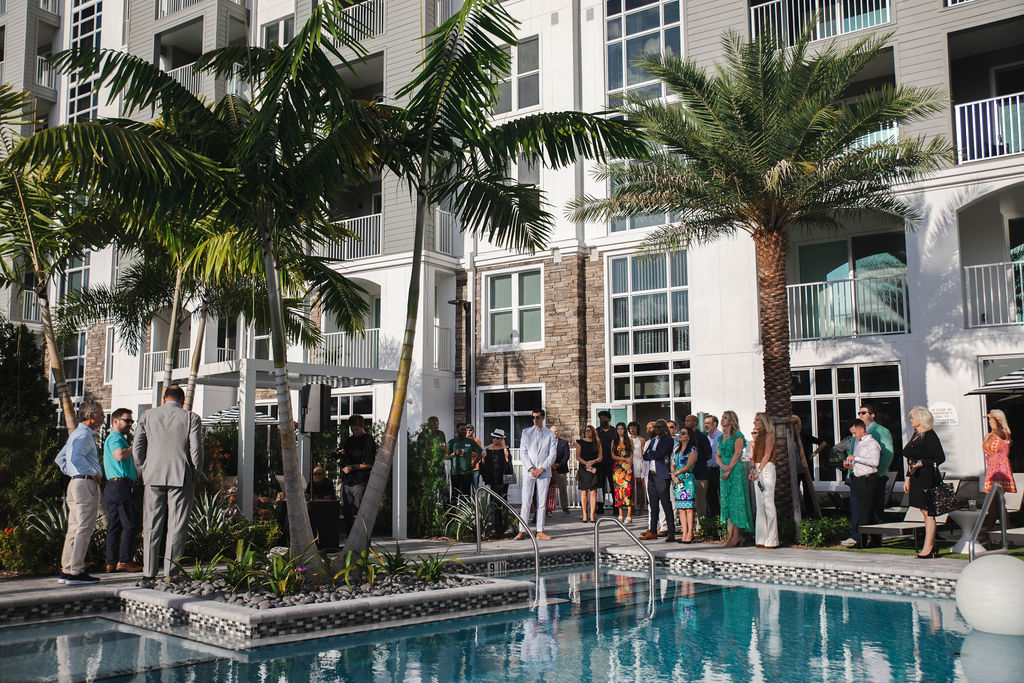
460	519
712	529
356	567
451	153
246	567
765	145
392	564
199	570
426	509
431	568
826	531
285	572
48	526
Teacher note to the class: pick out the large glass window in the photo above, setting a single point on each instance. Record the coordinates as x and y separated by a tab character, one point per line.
510	410
826	400
521	90
279	32
650	308
632	28
83	94
515	309
656	389
109	357
76	275
344	406
74	365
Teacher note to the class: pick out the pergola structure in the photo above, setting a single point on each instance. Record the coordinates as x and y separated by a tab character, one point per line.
249	374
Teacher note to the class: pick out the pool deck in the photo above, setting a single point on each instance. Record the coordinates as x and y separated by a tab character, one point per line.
569	535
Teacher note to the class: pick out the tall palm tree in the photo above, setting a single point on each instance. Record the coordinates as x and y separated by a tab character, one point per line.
762	146
444	144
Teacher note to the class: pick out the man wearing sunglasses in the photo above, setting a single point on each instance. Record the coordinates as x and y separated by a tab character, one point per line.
119	494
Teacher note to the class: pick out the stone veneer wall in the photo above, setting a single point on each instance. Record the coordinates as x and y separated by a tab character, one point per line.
571	344
95	352
597	334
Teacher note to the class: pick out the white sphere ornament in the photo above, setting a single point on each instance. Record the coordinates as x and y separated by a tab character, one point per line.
990	595
991	658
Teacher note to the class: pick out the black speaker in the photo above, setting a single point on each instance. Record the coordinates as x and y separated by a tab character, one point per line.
314	408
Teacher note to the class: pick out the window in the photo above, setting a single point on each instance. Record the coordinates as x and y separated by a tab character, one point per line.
74	365
344	405
639	221
261	344
83	95
650	307
826	400
108	357
76	275
521	90
631	30
514	310
510	410
227	339
656	389
279	32
527	170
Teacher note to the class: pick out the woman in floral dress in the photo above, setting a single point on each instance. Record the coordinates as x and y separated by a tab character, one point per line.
684	487
622	472
997	453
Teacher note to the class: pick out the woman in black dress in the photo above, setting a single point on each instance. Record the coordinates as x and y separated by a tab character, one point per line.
588	454
492	470
924	454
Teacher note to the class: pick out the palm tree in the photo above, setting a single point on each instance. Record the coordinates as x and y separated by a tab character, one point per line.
446	147
761	146
43	228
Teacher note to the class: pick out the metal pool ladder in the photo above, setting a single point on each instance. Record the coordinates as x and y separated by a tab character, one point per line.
996	487
533	537
597	548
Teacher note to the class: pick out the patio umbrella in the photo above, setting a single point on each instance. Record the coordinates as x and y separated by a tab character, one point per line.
1011	383
232	414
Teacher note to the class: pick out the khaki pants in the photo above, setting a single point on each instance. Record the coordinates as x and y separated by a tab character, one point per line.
701	502
83	498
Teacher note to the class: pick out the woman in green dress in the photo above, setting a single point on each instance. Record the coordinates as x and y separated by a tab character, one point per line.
734	494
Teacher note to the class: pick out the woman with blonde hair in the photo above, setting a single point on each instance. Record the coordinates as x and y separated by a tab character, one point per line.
733	490
997	453
924	454
588	455
762	473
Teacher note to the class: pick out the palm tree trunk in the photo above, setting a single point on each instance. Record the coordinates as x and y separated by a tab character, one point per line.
60	381
359	538
172	330
299	529
197	355
770	247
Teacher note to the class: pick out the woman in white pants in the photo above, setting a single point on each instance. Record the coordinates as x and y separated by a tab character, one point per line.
762	473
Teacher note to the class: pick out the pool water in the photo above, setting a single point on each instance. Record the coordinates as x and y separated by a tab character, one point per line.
689	631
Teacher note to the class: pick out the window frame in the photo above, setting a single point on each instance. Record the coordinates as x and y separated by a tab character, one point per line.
482	416
514	77
671	353
83	269
279	25
109	354
611	95
514	309
78	381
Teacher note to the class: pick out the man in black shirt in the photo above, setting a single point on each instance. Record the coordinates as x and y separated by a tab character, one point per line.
606	434
560	469
356	460
321	488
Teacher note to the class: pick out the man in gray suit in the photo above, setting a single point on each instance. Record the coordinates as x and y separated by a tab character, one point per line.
168	452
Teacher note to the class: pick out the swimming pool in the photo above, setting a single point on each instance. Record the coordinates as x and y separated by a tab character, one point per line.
691	630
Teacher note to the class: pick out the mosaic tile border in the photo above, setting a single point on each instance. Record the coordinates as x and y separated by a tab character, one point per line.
42	610
497	566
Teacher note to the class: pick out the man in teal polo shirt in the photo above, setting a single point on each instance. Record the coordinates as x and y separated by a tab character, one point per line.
463	452
122	505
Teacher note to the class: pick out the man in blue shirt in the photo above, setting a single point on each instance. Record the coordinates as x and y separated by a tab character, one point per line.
79	460
119	494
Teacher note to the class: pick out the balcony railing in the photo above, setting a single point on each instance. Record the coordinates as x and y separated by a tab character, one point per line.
368	16
848	308
188	77
887	133
787	19
990	128
995	294
46	75
443	356
153	363
172	6
954	3
349	349
52	6
367	242
31	312
224	355
446	228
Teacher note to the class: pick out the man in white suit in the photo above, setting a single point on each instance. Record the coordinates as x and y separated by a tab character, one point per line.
168	452
537	450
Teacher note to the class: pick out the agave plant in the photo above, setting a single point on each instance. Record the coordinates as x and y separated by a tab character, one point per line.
51	522
431	567
392	564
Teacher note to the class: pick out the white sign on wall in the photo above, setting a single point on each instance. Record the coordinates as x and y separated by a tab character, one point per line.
944	414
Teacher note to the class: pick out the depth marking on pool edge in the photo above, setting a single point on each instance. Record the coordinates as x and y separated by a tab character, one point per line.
497	568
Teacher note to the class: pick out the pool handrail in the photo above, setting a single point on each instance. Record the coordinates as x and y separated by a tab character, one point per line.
597	547
533	537
996	487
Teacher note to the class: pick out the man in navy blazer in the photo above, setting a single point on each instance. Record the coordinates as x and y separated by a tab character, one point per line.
659	452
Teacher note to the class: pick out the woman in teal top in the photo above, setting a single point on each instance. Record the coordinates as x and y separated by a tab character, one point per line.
733	490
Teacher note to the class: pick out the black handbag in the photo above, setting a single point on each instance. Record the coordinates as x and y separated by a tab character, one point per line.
941	497
509	477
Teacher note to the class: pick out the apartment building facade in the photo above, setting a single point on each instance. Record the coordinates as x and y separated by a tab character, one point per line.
896	315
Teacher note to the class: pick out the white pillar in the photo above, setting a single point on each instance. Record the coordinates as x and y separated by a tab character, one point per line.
305	459
399	486
246	435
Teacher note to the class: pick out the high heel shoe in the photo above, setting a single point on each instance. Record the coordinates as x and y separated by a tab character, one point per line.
930	556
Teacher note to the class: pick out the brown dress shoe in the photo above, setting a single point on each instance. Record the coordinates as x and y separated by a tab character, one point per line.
662	534
127	567
520	536
647	535
669	538
543	536
111	568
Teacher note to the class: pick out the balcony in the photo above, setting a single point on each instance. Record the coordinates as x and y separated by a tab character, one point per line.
988	129
51	6
887	133
46	75
153	363
366	242
349	349
446	227
225	355
443	348
171	6
995	294
787	19
368	17
31	312
188	77
855	307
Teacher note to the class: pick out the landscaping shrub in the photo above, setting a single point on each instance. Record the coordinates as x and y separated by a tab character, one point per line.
712	530
817	533
428	488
